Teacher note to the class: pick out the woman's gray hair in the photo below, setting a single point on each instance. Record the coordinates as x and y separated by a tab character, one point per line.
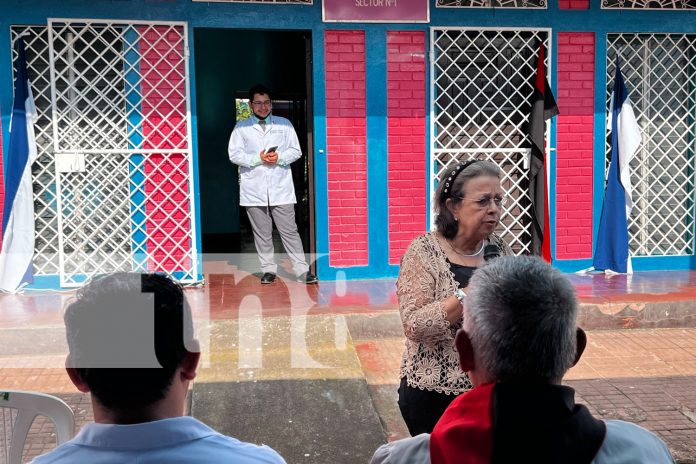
521	320
444	220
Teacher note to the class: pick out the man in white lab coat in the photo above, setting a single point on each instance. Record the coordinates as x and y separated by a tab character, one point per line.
264	146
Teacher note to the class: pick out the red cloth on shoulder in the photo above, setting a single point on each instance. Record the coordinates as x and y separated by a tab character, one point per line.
464	434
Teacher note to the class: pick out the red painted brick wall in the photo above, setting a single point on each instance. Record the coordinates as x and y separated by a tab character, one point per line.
164	127
346	147
574	4
575	139
405	139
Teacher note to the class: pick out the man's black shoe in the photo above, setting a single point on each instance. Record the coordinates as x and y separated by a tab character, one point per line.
268	278
308	278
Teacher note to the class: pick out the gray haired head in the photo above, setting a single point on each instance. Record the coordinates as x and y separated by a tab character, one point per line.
521	320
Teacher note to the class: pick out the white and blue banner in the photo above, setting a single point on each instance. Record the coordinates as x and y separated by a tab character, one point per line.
611	252
16	268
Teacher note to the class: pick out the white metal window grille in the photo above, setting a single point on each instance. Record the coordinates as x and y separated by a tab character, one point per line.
120	97
491	4
43	171
482	81
660	74
650	4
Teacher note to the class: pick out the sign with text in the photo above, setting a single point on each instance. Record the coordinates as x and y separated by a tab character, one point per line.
376	11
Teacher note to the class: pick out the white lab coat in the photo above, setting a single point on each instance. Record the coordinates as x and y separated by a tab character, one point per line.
264	184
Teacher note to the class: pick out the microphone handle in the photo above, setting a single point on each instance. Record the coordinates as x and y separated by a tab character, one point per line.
491	252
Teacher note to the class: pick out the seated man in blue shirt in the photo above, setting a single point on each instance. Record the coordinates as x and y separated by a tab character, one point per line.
138	393
518	339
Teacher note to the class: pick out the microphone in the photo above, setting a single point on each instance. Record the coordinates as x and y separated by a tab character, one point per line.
491	252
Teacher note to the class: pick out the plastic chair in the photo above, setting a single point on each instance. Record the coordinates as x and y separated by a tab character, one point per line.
18	409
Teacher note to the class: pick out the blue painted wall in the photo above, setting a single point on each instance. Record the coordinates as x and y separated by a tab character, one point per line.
292	17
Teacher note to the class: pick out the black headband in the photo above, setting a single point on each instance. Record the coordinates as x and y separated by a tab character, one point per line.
449	181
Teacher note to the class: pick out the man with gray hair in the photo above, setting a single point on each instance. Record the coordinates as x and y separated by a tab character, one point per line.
518	339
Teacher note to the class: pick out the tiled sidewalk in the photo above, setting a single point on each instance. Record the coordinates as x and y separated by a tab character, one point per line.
643	376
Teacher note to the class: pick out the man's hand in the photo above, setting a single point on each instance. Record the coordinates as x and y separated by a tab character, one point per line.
270	157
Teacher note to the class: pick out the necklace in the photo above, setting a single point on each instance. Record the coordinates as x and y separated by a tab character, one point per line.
466	255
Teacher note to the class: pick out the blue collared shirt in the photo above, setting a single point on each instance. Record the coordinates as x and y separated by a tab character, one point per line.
625	442
175	440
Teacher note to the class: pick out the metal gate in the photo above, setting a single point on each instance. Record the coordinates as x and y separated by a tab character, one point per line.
114	186
481	86
659	70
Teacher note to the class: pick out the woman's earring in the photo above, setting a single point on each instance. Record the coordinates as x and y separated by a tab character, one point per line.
456	219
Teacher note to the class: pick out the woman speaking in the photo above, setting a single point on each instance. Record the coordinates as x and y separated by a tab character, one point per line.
434	274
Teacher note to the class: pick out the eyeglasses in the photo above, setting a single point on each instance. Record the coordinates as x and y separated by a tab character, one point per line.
262	103
485	202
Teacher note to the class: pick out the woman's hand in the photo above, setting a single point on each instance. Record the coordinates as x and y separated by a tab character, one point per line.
454	311
453	308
